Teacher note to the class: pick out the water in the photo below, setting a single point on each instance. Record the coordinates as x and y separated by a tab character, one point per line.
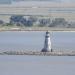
35	40
37	65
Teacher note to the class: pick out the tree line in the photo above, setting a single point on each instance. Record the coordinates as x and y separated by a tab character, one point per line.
29	21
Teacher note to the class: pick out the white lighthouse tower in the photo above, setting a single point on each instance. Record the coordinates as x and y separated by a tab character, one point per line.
47	44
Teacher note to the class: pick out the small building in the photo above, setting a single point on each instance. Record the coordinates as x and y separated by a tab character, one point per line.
47	43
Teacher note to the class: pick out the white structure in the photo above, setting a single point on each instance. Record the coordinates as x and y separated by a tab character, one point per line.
47	44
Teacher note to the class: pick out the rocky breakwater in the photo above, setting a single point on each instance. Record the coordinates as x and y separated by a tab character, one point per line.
39	53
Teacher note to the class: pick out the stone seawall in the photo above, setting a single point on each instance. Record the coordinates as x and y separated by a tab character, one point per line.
38	53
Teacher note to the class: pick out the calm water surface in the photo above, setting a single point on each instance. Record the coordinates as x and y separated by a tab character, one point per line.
35	40
37	65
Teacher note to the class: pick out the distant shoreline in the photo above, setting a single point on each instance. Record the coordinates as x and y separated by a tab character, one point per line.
37	29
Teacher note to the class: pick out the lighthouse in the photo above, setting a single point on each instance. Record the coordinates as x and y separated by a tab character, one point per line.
47	43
